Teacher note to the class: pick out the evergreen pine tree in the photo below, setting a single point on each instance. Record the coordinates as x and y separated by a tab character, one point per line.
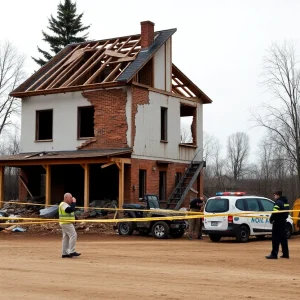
65	29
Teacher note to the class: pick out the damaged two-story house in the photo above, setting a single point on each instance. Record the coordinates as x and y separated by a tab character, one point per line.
102	120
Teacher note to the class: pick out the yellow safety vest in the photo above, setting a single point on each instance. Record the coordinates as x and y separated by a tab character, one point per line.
65	216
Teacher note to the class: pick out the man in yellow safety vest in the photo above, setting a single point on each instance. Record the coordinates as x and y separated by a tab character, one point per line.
66	216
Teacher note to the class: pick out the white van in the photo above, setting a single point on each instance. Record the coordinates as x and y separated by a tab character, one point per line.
239	227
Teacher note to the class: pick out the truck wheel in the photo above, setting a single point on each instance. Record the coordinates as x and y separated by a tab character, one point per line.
288	230
160	230
215	237
242	235
125	228
176	233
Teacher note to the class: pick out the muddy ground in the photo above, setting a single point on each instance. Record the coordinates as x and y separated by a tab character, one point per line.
114	267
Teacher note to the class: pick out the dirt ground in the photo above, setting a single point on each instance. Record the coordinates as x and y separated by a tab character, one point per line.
113	267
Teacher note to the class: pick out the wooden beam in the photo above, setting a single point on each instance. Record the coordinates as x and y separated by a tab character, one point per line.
92	78
86	186
61	64
121	186
24	184
48	185
97	60
65	72
122	160
114	53
107	165
70	81
1	186
67	89
119	65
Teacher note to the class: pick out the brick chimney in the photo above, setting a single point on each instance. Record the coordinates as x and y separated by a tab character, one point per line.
147	34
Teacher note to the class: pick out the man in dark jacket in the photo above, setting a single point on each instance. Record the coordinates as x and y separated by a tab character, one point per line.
279	227
195	225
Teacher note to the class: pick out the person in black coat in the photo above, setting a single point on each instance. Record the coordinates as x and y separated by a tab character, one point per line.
279	227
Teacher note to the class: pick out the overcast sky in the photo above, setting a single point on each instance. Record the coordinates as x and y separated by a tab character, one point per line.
219	44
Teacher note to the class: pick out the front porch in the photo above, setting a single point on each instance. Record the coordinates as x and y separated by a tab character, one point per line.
87	174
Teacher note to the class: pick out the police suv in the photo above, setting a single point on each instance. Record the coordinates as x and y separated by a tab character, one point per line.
239	226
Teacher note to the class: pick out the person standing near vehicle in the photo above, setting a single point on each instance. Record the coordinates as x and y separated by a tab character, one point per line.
279	227
66	216
195	225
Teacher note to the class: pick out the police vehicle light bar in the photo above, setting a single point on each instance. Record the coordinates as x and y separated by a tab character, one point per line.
230	193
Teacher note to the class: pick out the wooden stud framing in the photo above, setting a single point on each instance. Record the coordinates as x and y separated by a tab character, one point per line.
121	185
48	185
86	185
1	186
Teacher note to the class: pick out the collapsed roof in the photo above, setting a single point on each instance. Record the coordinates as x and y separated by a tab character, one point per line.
103	63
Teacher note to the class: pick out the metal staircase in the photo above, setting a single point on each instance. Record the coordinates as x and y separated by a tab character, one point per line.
184	185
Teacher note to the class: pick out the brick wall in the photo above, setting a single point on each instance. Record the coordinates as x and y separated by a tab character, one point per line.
110	124
152	179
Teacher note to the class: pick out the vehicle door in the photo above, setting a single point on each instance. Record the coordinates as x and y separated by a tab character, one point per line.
256	221
267	206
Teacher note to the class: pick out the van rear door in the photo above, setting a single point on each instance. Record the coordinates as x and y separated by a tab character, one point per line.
217	205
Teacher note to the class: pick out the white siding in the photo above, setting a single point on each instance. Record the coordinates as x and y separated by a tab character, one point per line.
64	121
160	69
168	73
147	142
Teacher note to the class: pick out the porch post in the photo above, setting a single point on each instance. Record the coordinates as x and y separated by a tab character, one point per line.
48	185
1	186
121	184
86	186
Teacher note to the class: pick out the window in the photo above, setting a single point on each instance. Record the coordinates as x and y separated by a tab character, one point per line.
145	76
177	178
164	124
44	125
267	204
252	204
217	206
162	185
240	204
85	122
142	183
188	124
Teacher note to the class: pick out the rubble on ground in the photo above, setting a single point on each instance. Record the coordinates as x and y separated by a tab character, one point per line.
15	210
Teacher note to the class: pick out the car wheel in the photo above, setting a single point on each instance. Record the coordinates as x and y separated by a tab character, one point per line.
176	233
243	234
160	230
125	228
260	237
215	237
288	230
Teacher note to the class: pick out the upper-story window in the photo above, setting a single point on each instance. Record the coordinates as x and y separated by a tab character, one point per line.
44	125
188	124
86	122
164	124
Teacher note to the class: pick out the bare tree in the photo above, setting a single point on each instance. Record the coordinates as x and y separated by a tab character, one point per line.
282	117
186	135
11	74
237	152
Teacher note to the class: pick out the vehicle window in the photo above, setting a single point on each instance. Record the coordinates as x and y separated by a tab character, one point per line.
267	204
253	204
240	204
217	205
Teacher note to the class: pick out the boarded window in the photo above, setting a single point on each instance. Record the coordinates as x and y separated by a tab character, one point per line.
85	122
44	125
142	183
188	124
164	124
